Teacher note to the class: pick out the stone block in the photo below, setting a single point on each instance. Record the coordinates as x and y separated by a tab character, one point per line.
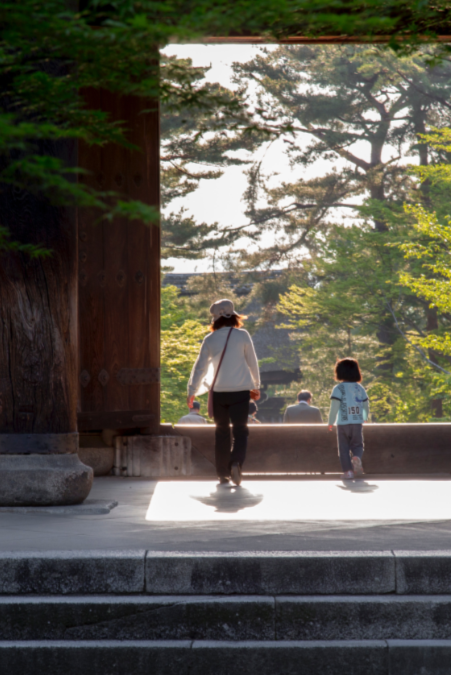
303	448
423	572
263	573
420	657
290	658
43	480
153	456
90	507
363	617
72	572
137	618
106	657
100	460
39	444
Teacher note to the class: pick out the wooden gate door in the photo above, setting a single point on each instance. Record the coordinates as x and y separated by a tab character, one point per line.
119	280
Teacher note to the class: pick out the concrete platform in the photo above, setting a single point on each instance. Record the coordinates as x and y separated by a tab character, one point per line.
293	576
264	515
326	500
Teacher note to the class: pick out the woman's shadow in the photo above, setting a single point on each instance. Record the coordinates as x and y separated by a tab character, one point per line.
230	499
357	486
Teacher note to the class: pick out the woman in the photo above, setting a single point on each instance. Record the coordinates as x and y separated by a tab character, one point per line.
238	374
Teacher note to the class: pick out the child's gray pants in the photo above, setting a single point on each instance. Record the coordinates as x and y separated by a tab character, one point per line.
350	440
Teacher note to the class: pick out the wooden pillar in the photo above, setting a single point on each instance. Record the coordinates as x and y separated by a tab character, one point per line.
39	353
119	279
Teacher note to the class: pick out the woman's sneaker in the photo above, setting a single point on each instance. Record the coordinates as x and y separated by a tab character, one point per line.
236	473
348	475
357	466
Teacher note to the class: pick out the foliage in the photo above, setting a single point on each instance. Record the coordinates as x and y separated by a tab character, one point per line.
431	249
363	109
32	250
358	107
195	145
181	336
335	310
51	52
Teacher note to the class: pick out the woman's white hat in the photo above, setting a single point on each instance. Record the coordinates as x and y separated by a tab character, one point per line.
223	308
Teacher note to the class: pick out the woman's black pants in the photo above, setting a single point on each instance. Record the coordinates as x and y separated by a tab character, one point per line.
230	407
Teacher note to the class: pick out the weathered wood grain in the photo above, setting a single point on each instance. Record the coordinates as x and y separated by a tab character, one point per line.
140	254
120	320
38	313
91	277
115	245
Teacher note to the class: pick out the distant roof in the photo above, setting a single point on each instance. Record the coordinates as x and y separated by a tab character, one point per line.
236	281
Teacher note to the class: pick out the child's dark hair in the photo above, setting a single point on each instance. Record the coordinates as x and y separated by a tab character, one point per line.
253	408
347	370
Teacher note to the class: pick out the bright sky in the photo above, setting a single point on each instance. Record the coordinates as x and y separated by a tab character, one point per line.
221	200
218	200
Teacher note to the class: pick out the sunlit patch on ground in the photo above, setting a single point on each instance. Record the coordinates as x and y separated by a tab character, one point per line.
303	500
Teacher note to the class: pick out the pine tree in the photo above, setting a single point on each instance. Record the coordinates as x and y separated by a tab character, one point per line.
359	106
362	107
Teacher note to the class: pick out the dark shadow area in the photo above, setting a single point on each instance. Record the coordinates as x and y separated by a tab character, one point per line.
358	486
230	499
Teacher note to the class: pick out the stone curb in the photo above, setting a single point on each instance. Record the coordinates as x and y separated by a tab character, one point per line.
90	507
392	657
215	573
72	572
261	573
233	618
137	618
423	572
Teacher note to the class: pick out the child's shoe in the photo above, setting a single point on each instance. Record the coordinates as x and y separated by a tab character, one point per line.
357	466
348	475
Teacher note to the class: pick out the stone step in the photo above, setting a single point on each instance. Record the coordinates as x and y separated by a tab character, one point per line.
214	573
111	657
233	618
137	618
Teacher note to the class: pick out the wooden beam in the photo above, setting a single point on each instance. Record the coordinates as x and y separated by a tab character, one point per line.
119	278
321	40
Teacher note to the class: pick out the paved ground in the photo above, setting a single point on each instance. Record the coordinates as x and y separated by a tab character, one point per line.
324	514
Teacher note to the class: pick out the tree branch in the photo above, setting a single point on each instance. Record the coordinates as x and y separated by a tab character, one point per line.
419	350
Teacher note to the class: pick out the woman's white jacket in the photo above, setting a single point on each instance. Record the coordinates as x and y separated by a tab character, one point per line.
239	368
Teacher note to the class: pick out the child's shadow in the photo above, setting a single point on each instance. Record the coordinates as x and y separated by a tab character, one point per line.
357	486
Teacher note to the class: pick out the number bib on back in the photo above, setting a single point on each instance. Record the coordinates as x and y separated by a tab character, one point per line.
351	396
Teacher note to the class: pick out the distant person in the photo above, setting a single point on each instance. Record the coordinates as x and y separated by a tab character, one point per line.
194	416
228	367
349	403
304	412
253	410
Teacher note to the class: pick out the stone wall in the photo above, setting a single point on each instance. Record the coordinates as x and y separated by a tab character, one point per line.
286	448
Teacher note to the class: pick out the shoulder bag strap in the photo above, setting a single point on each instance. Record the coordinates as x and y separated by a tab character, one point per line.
222	356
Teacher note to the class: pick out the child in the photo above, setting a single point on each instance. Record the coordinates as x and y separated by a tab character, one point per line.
251	418
350	402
